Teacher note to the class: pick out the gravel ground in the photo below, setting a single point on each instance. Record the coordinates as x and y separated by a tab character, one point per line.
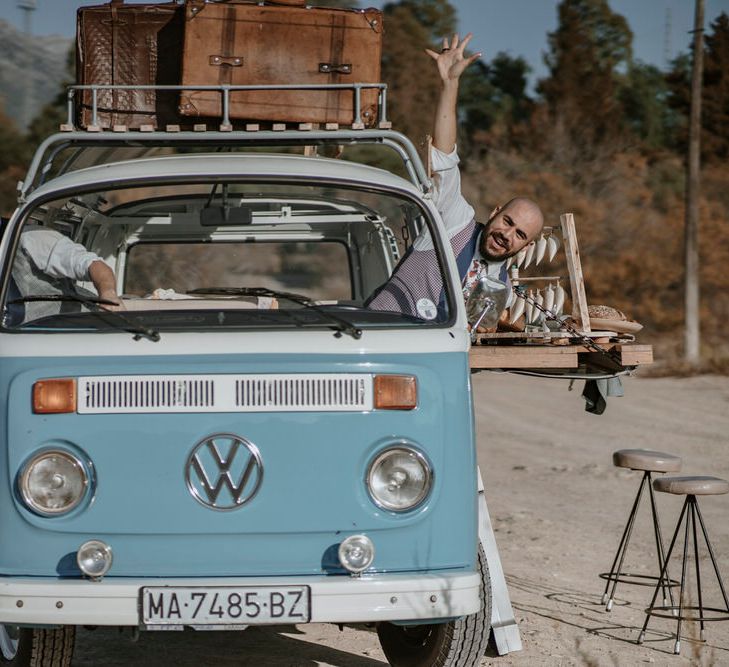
558	507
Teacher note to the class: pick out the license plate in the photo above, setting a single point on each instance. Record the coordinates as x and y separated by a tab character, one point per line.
228	605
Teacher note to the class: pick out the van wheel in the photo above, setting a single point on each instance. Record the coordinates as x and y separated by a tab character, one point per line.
35	647
459	643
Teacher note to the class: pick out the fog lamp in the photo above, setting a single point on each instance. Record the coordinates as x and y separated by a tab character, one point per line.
94	558
399	478
53	482
356	553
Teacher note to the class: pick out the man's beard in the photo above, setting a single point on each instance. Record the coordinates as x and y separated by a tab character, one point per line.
489	257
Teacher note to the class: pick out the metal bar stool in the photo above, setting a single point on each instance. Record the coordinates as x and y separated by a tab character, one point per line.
690	487
649	462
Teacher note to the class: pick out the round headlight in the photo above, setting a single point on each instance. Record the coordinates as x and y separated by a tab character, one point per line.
399	478
53	482
94	558
356	553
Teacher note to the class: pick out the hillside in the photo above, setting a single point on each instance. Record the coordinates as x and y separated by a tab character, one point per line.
31	70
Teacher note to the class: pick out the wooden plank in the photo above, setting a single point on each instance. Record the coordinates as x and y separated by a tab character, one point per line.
558	356
539	356
574	266
534	279
544	335
635	355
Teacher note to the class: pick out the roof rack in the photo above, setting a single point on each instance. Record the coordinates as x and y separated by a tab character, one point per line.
227	135
224	90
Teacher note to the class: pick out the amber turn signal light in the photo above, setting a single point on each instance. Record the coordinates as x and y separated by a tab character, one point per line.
396	392
54	396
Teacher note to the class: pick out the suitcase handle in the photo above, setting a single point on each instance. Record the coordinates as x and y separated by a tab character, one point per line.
229	61
287	3
331	68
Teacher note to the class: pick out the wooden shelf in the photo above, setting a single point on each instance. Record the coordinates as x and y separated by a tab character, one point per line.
558	357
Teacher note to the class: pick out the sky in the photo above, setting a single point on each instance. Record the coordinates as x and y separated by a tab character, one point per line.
518	27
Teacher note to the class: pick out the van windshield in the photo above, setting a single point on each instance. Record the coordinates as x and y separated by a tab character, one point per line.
226	254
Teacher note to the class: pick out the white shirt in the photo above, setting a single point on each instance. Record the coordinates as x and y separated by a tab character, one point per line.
56	255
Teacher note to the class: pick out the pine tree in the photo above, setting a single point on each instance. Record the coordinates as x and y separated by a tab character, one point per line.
715	97
13	160
413	83
643	96
587	52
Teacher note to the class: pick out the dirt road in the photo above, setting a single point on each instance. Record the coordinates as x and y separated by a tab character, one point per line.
558	507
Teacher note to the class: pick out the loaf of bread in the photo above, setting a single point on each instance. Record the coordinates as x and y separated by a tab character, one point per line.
605	313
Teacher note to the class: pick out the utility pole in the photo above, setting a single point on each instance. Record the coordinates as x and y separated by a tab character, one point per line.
667	46
691	242
27	7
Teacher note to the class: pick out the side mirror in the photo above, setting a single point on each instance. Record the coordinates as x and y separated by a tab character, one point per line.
485	303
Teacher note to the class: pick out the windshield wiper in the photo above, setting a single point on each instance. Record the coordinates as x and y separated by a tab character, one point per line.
339	324
94	304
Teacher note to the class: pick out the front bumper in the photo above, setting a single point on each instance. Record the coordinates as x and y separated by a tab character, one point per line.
35	601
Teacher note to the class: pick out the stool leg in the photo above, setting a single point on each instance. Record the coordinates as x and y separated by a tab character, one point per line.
641	636
677	646
698	569
713	558
659	546
624	541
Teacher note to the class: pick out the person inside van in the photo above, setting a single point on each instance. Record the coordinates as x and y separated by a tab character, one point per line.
49	263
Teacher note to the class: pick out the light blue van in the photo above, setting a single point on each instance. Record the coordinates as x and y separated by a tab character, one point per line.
246	442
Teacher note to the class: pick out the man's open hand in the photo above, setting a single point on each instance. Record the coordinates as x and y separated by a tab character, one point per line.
451	61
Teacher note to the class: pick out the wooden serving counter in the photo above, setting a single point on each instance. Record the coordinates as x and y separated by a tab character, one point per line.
621	356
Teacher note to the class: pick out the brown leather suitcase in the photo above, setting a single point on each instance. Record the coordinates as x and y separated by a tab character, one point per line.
243	43
129	45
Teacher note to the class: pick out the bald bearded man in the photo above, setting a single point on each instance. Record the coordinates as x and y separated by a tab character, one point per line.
416	288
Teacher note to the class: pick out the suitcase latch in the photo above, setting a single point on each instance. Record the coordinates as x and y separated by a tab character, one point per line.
230	61
329	68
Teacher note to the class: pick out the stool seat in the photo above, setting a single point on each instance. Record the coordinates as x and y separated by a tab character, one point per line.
694	486
646	459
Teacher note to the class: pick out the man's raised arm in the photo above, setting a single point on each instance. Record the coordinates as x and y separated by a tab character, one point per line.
451	64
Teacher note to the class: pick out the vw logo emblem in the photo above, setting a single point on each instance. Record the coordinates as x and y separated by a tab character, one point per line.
224	471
